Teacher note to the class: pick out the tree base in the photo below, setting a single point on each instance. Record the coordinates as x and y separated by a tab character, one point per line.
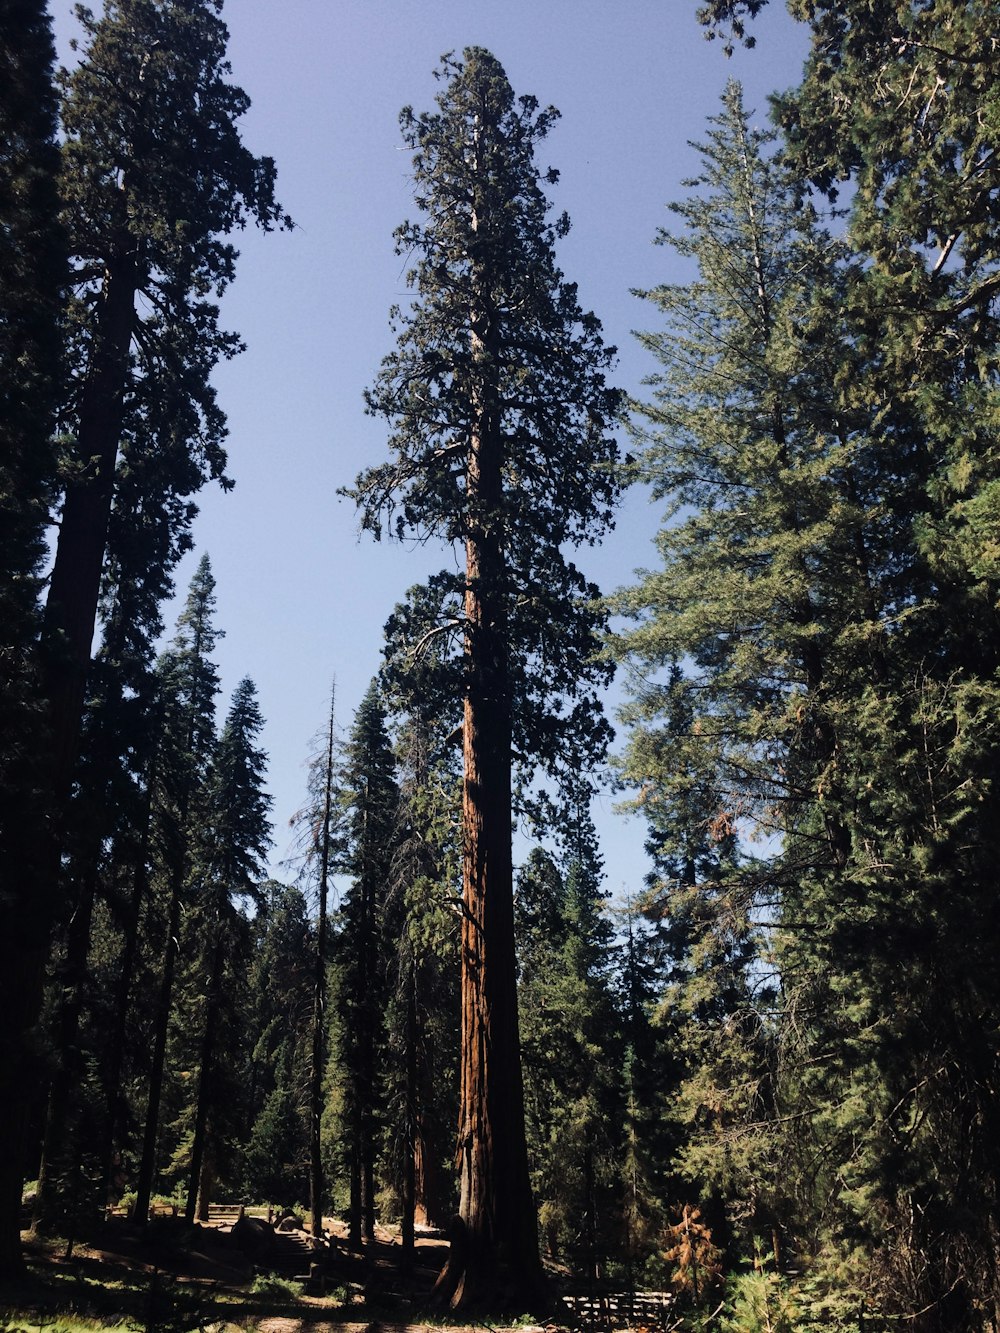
479	1278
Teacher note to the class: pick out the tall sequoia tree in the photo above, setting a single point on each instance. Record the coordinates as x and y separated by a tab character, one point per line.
155	176
32	273
500	418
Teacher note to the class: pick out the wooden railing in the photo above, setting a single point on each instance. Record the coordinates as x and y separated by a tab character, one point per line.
621	1309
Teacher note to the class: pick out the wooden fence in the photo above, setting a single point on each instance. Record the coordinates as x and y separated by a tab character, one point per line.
621	1309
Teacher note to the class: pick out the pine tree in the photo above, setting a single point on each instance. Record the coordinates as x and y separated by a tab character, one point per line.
106	856
499	412
34	271
321	844
765	622
233	839
571	1048
815	456
188	685
422	940
32	277
651	1071
897	100
370	797
276	1160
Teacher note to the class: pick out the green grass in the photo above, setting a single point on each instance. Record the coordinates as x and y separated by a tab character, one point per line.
24	1321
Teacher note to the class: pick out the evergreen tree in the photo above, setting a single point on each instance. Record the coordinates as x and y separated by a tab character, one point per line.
144	112
106	859
321	843
188	686
897	100
499	411
33	268
765	622
32	276
234	837
276	1161
571	1050
810	705
422	939
370	796
651	1071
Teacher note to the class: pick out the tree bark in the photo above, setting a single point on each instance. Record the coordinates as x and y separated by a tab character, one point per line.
494	1261
147	1165
130	950
207	1057
75	584
22	962
409	1191
59	1148
319	1008
70	617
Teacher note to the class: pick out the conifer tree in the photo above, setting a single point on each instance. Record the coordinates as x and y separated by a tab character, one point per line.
897	100
571	1048
370	797
33	272
233	840
276	1160
422	939
500	412
809	705
107	828
144	112
321	844
145	224
32	277
188	687
765	622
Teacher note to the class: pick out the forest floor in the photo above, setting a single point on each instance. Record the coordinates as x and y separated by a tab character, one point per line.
171	1278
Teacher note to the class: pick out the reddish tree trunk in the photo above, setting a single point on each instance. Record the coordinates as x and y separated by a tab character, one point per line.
494	1261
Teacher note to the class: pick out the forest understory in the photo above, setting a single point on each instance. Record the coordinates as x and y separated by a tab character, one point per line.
767	1078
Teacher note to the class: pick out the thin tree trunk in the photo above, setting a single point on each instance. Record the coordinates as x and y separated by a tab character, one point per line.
368	1165
130	950
147	1165
59	1151
354	1211
206	1177
407	1236
213	999
22	964
319	1006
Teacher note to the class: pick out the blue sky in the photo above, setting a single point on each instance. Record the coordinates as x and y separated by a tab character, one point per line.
302	597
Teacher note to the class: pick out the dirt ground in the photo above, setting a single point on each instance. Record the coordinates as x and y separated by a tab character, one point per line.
170	1277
